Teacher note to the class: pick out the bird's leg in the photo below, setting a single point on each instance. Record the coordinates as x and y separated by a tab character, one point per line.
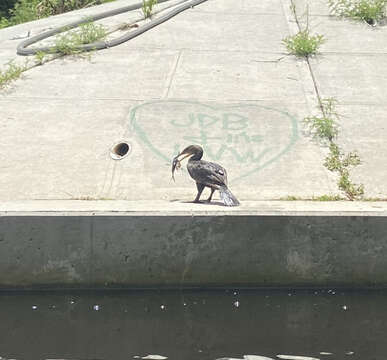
200	190
212	192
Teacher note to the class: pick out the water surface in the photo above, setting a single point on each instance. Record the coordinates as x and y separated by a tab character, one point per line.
193	325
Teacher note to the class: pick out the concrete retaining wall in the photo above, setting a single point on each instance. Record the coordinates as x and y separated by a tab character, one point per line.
129	250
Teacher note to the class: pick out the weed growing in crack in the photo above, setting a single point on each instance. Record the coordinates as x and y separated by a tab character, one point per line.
370	11
147	8
40	57
88	33
291	198
68	43
374	199
324	127
352	191
328	198
341	163
10	74
65	45
336	160
303	44
314	198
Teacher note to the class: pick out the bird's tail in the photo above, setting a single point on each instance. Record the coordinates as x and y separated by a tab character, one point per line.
227	197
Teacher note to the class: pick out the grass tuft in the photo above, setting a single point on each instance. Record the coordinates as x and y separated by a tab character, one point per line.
13	72
147	8
303	44
328	198
88	33
370	11
314	198
291	198
324	127
68	43
374	199
40	57
341	163
353	191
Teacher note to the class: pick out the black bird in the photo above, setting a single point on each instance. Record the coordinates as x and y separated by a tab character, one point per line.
206	174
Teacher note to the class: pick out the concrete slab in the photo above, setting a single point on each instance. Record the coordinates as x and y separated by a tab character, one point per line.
66	156
11	36
251	76
217	31
315	7
242	7
142	75
216	75
7	34
369	142
260	139
354	79
350	69
220	68
261	150
349	37
243	98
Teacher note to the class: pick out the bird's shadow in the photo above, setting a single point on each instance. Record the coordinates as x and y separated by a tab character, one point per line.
202	202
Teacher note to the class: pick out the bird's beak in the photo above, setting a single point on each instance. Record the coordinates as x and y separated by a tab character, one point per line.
186	153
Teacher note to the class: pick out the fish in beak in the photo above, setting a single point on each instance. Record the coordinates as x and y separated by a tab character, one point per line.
176	162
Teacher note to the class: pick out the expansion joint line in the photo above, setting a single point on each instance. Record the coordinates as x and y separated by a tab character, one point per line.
320	104
172	74
337	161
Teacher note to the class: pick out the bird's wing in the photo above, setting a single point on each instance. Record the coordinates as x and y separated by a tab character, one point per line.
209	173
220	172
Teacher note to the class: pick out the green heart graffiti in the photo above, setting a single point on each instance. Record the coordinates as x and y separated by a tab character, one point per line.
221	130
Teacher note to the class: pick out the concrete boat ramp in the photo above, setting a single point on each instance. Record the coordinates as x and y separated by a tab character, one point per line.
74	213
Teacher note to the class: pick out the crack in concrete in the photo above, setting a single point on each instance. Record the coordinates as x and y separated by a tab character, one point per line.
294	27
317	92
172	74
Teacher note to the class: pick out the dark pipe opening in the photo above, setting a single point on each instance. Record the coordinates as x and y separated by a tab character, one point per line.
120	150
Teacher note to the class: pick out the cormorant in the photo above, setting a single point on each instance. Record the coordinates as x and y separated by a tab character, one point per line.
206	174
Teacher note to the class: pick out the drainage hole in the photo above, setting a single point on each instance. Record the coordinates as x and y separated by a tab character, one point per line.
120	150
